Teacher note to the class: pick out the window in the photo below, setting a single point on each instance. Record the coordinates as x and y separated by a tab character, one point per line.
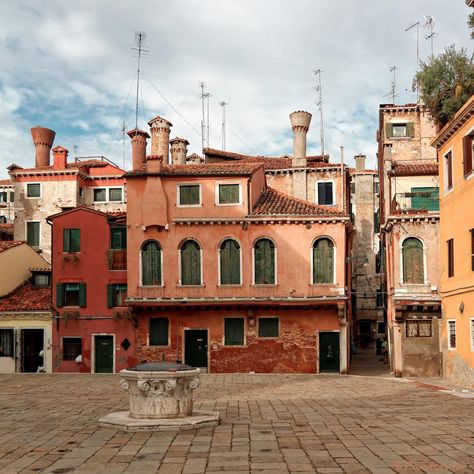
6	343
471	322
72	240
228	194
452	334
234	331
115	194
118	238
229	258
41	279
325	193
472	249
33	190
151	264
190	263
467	155
418	328
3	196
159	328
380	328
189	195
71	294
426	198
116	295
413	261
81	192
72	347
264	262
450	258
100	195
268	327
400	130
448	171
323	261
33	233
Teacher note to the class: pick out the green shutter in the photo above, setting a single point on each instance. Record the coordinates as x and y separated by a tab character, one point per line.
268	327
118	238
151	264
110	296
59	295
75	240
82	295
230	262
32	233
388	130
413	268
66	240
264	256
410	129
323	261
234	331
425	198
190	263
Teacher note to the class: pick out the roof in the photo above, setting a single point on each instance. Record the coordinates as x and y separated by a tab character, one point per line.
227	155
113	214
275	203
92	163
218	169
8	244
8	228
414	169
27	298
6	182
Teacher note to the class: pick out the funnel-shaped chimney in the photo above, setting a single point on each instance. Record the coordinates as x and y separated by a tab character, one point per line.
179	150
43	139
300	121
138	147
160	137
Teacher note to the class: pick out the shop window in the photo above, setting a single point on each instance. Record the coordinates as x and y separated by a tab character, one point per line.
264	262
323	261
234	331
268	327
72	347
413	261
72	240
229	258
418	328
159	328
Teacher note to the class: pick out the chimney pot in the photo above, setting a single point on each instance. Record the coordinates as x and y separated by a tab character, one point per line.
360	162
160	130
179	150
154	163
300	121
60	158
138	147
43	139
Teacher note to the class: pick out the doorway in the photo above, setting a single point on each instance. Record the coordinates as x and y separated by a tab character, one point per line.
31	344
195	347
329	351
104	354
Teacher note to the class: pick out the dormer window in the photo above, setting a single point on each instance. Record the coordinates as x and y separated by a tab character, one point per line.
229	194
41	278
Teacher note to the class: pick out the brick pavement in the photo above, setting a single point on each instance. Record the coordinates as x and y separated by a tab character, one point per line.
270	423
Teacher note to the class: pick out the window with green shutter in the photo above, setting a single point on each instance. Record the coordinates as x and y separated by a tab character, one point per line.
189	194
229	193
159	328
33	233
118	238
151	264
323	261
72	240
116	295
264	262
234	331
268	327
400	130
412	256
229	254
71	294
190	263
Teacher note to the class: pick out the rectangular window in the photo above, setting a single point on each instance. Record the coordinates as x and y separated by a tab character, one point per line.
71	294
100	195
380	328
325	194
3	196
116	295
33	190
6	343
472	250
268	327
189	195
467	155
72	240
229	194
450	257
81	192
400	130
118	238
115	194
72	347
41	279
448	171
159	328
33	233
234	331
472	334
418	328
452	334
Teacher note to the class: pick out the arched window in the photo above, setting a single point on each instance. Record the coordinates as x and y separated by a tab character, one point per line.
151	263
264	262
323	261
190	263
413	266
229	257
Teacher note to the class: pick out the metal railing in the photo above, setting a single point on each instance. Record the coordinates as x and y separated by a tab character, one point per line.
416	201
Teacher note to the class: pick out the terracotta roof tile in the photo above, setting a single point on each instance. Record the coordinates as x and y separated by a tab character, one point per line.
218	169
414	169
27	298
275	203
6	182
8	244
92	163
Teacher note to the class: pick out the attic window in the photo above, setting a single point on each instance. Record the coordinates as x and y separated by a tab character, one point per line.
41	279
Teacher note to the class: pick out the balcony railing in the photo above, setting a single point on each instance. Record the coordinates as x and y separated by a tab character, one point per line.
117	259
416	201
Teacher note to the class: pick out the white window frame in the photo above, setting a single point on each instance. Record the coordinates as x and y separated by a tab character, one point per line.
219	283
450	348
39	232
122	193
400	123
253	262
178	195
268	337
425	269
219	183
34	197
447	190
316	194
311	261
179	264
244	345
107	194
140	266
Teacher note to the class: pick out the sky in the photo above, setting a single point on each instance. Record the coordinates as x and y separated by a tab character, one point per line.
70	66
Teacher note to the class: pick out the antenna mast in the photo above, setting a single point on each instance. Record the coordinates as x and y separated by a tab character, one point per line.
417	24
223	104
140	38
319	90
429	23
204	96
123	142
392	92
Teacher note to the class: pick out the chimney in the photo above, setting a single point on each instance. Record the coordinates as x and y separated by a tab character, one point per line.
299	124
43	139
360	163
179	150
59	158
160	137
138	148
154	163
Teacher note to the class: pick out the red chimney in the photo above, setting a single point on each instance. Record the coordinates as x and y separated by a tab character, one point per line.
43	139
59	158
138	148
154	163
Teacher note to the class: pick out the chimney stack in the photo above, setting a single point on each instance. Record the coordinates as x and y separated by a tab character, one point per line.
160	137
300	121
360	162
59	158
138	148
43	139
179	150
154	163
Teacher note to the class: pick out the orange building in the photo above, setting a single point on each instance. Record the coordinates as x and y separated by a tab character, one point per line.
454	144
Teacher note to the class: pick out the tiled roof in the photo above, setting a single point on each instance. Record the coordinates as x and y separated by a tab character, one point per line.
8	244
271	164
275	203
6	182
414	169
27	298
8	228
218	169
227	155
69	166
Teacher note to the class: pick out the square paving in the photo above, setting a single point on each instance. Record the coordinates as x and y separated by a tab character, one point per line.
269	423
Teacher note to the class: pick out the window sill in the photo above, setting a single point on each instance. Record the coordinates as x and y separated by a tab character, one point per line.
265	285
323	284
147	286
235	346
230	285
201	285
181	206
229	204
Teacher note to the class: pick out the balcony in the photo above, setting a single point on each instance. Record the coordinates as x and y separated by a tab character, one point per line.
419	200
117	259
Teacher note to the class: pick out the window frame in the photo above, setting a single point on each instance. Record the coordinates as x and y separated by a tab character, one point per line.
244	333
70	240
219	264
13	341
163	318
112	289
141	284
316	191
180	267
275	262
27	196
111	188
448	326
39	233
178	194
223	183
450	257
61	294
63	338
107	194
417	321
260	318
319	237
448	177
402	271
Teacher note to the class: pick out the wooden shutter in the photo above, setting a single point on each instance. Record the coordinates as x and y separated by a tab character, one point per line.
264	256
467	154
82	295
190	263
75	236
151	264
110	296
413	268
67	240
449	169
323	261
410	129
388	130
59	295
268	327
118	238
234	331
230	262
450	257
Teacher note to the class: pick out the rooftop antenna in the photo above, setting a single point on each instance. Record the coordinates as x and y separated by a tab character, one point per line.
429	23
319	90
140	39
223	104
123	142
204	96
415	84
74	147
392	92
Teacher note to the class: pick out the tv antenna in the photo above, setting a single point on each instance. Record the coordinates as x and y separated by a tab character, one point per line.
392	92
223	104
429	23
123	143
204	96
319	103
415	84
140	39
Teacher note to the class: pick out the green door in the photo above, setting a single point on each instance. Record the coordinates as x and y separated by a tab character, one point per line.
104	354
329	352
195	347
